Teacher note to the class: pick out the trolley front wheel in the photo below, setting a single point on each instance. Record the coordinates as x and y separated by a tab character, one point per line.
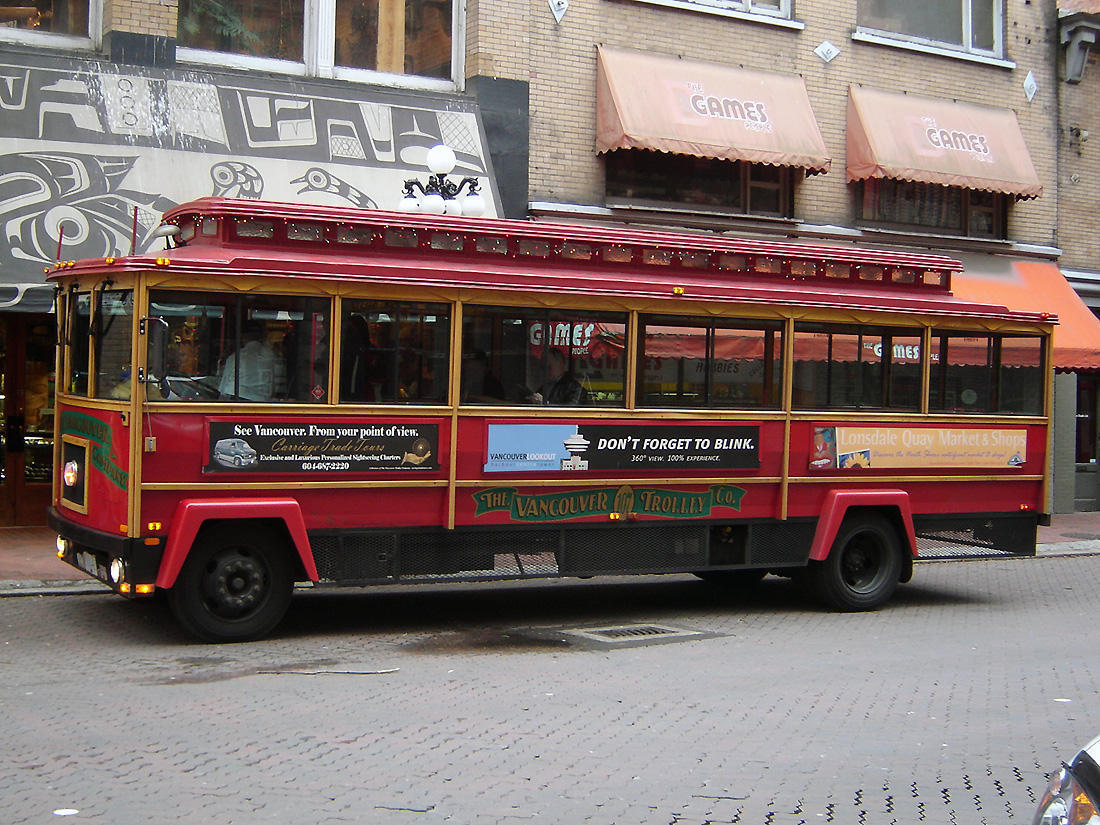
234	587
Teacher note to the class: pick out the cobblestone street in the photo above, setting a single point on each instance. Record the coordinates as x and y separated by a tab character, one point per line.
482	705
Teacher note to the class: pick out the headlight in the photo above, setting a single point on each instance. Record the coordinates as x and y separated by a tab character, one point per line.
71	473
1066	803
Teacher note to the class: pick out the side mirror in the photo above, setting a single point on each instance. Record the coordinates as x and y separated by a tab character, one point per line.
156	351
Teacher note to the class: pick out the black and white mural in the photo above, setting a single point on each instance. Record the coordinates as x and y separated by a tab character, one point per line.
83	144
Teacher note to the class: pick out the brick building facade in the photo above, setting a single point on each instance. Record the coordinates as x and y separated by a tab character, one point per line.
326	101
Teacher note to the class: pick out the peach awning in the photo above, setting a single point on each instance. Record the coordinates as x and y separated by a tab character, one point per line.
1034	286
929	140
648	101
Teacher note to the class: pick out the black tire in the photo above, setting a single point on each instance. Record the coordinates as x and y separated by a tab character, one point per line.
234	587
863	566
742	579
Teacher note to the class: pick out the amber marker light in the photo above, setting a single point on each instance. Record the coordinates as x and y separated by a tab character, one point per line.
677	290
144	589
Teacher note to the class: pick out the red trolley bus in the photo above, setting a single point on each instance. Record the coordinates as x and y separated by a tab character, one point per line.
297	393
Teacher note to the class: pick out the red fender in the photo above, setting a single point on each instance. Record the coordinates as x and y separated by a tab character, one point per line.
191	513
836	506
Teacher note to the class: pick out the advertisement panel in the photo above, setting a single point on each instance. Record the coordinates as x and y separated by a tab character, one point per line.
319	447
580	447
899	447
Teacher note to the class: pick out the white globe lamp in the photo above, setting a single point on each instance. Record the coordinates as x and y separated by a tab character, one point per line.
433	204
441	159
473	205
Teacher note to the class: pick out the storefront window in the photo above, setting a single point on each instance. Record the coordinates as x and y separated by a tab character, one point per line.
38	401
1087	388
662	179
931	207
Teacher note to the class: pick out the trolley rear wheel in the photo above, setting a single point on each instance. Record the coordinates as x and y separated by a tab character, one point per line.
863	567
234	587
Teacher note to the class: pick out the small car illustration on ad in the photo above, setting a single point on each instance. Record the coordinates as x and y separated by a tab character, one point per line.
234	452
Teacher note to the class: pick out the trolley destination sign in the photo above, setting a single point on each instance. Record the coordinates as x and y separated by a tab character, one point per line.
320	447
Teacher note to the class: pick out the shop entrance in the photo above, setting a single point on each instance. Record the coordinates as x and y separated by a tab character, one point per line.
26	417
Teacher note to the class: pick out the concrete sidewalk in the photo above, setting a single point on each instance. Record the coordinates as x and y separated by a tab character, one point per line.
29	563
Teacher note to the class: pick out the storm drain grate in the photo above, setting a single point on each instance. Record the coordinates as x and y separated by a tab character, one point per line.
633	633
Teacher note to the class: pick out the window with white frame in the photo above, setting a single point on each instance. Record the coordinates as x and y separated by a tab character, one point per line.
972	26
327	37
769	8
25	19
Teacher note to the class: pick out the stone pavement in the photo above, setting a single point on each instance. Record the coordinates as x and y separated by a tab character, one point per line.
29	565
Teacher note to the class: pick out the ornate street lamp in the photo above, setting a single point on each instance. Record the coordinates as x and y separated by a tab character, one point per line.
440	196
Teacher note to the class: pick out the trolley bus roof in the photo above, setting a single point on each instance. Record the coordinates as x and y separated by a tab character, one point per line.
324	244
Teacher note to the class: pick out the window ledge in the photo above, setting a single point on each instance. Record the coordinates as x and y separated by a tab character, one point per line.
961	243
750	17
864	36
675	218
47	40
229	60
687	219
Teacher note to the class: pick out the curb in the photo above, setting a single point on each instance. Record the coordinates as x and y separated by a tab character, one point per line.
90	587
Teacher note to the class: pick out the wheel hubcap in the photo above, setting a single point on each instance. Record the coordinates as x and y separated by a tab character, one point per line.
862	564
234	584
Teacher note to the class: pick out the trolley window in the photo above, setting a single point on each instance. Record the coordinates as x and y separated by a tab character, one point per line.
846	366
394	352
113	333
226	347
79	350
549	357
693	362
976	373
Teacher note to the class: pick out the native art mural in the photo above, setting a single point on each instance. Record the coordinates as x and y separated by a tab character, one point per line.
83	145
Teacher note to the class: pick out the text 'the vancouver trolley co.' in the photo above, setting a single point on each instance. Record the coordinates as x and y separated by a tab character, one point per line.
307	394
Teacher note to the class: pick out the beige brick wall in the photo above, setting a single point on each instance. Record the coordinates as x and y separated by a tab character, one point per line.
498	41
1079	172
561	68
154	17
